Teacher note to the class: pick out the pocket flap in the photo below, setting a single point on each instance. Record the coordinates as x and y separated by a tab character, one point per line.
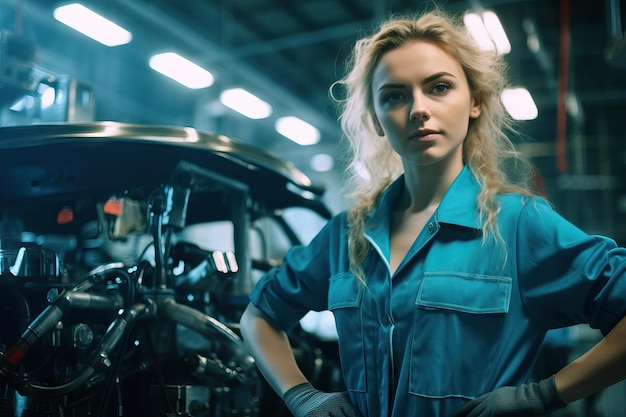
478	294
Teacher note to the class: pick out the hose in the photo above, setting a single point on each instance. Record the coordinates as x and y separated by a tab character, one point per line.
209	327
100	357
51	315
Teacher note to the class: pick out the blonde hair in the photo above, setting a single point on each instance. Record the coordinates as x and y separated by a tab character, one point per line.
487	149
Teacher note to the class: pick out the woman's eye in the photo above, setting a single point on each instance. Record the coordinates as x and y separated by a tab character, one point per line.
394	97
440	88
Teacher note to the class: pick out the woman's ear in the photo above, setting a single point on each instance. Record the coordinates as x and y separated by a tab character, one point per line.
475	110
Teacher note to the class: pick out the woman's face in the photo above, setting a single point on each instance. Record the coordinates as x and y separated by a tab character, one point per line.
422	103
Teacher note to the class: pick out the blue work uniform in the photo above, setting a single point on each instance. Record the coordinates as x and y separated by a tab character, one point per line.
459	317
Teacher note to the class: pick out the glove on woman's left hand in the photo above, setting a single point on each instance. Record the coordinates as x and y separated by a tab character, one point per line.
533	399
305	401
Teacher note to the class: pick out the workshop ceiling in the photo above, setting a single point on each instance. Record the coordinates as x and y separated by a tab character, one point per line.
290	52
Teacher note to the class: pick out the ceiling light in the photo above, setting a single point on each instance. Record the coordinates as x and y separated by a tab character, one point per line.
245	103
519	103
181	70
23	103
297	130
477	29
322	162
47	94
488	32
91	24
497	33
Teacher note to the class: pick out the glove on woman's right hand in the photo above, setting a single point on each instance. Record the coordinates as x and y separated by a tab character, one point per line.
532	399
305	401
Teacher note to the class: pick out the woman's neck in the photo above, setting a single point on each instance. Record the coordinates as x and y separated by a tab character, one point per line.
425	186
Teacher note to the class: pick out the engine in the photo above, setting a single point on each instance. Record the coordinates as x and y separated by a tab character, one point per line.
135	336
115	299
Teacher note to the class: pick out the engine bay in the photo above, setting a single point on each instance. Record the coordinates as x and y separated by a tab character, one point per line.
120	296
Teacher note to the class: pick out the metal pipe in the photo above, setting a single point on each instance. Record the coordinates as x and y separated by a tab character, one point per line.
210	327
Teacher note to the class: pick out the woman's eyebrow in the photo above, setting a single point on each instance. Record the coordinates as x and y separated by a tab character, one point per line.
391	85
426	80
438	75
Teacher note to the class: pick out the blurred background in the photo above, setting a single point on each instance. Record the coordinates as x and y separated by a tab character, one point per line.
567	56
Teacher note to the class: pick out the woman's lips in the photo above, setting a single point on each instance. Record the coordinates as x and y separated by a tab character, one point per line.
424	135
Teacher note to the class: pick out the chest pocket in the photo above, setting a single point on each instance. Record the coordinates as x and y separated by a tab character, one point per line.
477	294
344	300
458	323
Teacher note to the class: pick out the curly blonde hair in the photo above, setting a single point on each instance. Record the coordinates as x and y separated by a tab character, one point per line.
487	150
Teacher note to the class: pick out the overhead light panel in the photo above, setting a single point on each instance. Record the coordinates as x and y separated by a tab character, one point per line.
322	162
497	33
477	29
519	103
47	95
488	32
91	24
297	130
181	70
245	103
23	103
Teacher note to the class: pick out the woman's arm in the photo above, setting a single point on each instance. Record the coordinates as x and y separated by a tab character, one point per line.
568	276
602	366
271	349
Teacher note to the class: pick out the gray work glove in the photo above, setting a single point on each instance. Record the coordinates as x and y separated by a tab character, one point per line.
305	401
533	399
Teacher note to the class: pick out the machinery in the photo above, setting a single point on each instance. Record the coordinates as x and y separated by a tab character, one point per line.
119	296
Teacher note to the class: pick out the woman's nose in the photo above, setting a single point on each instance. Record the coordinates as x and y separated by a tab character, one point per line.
419	116
419	111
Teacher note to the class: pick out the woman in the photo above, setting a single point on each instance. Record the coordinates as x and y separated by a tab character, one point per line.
447	272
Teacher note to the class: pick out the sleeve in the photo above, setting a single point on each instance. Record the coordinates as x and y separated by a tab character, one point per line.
567	276
300	284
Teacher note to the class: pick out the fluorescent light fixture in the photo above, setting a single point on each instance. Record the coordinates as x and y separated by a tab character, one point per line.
519	103
488	32
477	29
24	103
322	162
47	94
181	70
297	130
245	103
497	33
91	24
